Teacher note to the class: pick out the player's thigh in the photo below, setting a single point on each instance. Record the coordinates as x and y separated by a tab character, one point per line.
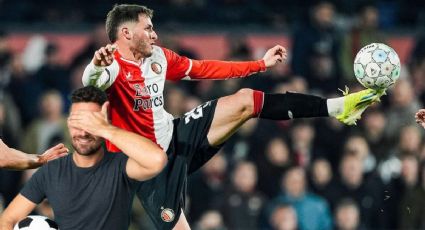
182	223
231	112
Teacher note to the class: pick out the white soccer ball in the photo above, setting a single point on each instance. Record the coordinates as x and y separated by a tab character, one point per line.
36	223
377	66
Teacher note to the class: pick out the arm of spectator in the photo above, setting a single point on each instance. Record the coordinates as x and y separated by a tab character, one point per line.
103	69
146	159
17	210
11	158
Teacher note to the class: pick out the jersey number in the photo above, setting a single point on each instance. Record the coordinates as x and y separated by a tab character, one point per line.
194	114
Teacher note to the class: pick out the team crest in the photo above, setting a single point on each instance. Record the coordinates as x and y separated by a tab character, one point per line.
156	67
167	215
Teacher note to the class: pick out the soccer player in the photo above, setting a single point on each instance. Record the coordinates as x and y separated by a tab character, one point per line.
14	159
133	70
91	188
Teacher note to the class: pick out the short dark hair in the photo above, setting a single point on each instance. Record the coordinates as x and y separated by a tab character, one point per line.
124	13
89	94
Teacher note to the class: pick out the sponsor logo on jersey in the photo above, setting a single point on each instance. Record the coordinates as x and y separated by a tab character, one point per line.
144	98
167	215
156	67
148	103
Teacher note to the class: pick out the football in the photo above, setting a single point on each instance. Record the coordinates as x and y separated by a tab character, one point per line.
377	66
36	223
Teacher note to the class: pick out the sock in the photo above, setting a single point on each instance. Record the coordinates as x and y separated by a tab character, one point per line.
258	102
335	106
292	105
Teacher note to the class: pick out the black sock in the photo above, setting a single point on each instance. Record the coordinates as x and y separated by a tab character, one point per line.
293	105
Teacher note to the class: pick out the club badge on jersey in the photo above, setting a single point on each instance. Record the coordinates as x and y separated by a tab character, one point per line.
167	215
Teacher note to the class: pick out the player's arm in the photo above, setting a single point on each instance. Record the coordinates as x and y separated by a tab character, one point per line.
183	68
17	210
11	158
146	159
102	70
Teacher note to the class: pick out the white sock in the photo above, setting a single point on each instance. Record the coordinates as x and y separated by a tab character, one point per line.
335	106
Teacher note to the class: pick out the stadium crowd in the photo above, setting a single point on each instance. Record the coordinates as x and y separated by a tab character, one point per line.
303	174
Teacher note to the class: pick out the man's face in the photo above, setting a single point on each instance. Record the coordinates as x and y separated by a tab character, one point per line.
83	142
143	36
294	182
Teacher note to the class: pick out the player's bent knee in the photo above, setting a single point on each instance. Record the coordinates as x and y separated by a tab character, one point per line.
246	101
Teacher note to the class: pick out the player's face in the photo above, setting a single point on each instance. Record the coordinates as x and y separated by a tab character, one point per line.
83	142
144	36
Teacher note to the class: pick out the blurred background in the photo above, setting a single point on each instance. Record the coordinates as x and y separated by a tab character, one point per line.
301	174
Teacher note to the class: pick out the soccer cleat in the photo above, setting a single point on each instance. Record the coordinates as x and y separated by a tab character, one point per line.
356	103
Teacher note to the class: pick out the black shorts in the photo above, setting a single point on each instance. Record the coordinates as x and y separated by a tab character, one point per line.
163	197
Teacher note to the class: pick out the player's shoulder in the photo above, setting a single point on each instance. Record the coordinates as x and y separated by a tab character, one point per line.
60	161
56	164
159	50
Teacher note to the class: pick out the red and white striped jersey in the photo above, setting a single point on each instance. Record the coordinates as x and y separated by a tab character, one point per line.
135	90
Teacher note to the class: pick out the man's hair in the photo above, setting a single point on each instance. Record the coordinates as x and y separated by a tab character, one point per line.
89	94
121	14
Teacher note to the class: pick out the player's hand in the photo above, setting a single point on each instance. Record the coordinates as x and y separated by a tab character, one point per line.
275	55
53	153
94	123
420	117
104	56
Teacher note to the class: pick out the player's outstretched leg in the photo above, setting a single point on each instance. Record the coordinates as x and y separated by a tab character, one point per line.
232	111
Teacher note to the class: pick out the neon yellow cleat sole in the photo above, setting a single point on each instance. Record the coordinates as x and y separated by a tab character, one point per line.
356	103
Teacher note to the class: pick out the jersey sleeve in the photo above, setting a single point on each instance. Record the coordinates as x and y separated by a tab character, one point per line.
221	70
178	66
101	77
34	189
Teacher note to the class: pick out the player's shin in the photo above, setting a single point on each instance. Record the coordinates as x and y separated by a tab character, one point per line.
291	105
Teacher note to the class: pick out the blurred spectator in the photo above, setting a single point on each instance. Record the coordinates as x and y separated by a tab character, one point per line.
50	128
321	178
243	203
403	108
284	217
246	142
98	38
302	136
206	187
410	140
35	47
366	191
316	48
330	139
52	75
399	190
373	129
417	66
412	208
347	216
312	211
363	33
357	145
271	165
210	220
174	102
10	123
22	87
9	128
